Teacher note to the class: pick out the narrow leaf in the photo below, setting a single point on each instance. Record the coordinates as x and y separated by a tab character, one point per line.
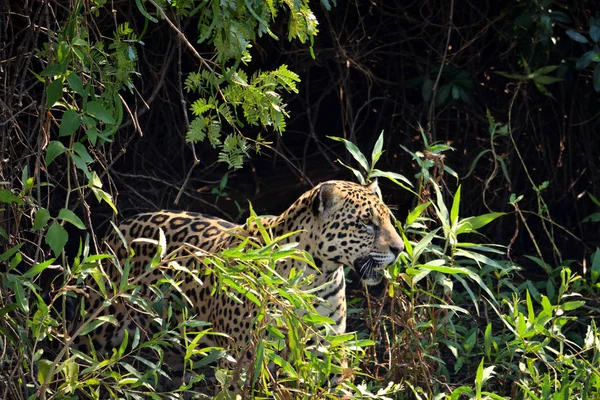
455	208
37	269
6	196
576	36
377	150
416	213
354	151
471	224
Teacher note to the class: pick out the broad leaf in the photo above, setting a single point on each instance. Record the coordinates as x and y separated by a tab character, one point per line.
41	218
585	60
69	216
70	123
55	148
56	238
97	110
53	92
76	84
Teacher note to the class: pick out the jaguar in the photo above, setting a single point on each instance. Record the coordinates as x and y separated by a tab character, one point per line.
338	223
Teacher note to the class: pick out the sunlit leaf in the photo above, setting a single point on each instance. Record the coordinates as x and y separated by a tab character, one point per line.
69	216
354	151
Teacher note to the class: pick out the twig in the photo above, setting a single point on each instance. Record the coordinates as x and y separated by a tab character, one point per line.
439	75
187	126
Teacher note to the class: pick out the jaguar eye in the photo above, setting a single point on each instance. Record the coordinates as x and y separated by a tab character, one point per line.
369	224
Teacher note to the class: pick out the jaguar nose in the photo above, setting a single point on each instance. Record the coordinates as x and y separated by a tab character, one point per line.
395	251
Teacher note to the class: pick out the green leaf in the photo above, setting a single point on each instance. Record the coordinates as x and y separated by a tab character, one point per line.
596	79
377	150
6	196
443	94
69	216
92	134
595	29
10	252
441	205
394	177
416	213
545	70
516	77
576	36
76	84
97	322
81	165
56	238
546	80
427	89
585	60
82	152
354	151
53	92
572	305
560	16
595	270
595	217
357	173
37	269
143	11
97	110
20	296
455	208
55	148
41	218
471	224
487	340
53	70
102	195
70	123
317	319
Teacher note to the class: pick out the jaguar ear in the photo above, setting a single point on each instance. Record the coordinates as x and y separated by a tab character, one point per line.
373	186
324	200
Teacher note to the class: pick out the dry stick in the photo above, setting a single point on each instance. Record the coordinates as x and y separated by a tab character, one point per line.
439	75
181	36
157	88
187	126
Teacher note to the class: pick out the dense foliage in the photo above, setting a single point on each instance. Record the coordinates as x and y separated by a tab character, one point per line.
489	155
